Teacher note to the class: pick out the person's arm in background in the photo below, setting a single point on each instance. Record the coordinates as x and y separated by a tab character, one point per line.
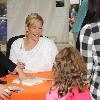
80	16
86	43
80	21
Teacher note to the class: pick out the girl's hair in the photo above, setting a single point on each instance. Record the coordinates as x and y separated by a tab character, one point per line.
93	14
97	10
33	17
69	70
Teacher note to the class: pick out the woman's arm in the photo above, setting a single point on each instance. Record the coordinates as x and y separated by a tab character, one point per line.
86	43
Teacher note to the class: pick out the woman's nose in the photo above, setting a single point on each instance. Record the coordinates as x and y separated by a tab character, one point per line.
37	30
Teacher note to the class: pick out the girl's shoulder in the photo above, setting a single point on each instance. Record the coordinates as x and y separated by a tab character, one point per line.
91	26
85	29
76	95
53	94
86	26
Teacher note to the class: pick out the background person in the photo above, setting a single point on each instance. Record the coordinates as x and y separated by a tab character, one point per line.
72	16
69	76
90	46
34	52
82	18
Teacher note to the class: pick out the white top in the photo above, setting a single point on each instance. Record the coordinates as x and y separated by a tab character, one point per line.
39	59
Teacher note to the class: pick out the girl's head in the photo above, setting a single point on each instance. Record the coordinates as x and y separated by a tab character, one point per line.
69	70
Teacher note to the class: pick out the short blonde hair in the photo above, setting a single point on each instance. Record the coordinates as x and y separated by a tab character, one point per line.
33	17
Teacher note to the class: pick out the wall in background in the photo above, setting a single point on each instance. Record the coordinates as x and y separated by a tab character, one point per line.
3	24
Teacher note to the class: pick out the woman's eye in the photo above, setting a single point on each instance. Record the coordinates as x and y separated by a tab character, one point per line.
32	27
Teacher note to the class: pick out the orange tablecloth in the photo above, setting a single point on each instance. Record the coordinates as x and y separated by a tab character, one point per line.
36	92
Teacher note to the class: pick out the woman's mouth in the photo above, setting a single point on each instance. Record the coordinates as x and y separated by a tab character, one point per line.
36	35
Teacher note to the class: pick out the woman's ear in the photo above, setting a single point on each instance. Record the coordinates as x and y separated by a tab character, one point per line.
26	28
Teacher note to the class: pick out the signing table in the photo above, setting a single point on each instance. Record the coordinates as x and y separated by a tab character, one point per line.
35	92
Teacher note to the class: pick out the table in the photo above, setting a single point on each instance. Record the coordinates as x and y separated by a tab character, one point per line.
36	92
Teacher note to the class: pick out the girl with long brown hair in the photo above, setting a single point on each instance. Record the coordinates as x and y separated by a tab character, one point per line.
69	77
90	46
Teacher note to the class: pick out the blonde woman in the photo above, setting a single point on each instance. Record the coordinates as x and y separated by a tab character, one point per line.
34	53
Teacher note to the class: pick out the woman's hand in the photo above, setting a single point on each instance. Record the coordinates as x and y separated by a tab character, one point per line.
21	65
21	74
4	92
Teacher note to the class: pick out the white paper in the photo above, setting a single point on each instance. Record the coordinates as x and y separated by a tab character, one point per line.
29	82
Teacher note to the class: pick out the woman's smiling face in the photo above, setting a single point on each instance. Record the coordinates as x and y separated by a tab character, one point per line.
35	30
